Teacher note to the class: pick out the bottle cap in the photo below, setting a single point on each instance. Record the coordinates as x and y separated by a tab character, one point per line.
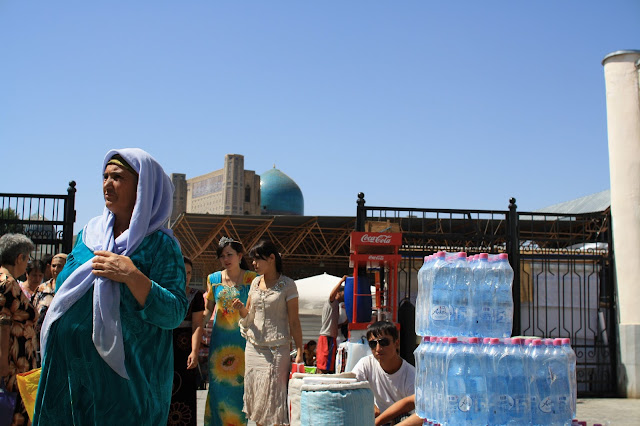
486	340
503	256
453	340
461	254
474	340
536	342
434	339
566	341
516	341
484	256
557	342
494	341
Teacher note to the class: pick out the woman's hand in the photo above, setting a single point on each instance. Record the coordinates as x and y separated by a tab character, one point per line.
121	269
299	357
113	266
192	361
237	304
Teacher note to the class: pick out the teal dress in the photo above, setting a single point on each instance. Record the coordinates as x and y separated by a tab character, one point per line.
77	386
226	354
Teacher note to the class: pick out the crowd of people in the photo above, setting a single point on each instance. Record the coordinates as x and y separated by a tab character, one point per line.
100	322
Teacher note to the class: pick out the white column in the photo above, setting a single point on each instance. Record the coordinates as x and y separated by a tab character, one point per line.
623	123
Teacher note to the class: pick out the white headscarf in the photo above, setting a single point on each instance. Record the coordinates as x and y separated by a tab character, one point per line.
151	211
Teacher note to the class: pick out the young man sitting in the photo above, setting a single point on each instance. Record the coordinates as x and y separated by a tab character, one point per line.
391	378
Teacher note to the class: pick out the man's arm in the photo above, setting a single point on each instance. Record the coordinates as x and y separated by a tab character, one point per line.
334	291
412	420
396	409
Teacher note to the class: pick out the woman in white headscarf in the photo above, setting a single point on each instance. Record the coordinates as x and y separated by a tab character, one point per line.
106	339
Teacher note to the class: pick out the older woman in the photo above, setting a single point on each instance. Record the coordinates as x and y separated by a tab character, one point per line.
44	294
17	316
35	274
106	340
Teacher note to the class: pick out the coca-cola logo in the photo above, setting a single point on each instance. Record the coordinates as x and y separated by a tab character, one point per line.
376	257
377	239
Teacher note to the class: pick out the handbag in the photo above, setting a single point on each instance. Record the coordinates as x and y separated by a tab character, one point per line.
7	404
28	387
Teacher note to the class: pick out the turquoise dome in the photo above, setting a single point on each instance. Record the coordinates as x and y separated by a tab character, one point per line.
279	194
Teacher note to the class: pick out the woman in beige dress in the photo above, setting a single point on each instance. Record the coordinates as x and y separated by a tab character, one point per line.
269	321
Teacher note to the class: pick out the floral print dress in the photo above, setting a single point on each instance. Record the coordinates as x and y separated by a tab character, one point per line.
17	312
226	354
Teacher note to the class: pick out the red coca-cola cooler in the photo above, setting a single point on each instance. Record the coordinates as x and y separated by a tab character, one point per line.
377	252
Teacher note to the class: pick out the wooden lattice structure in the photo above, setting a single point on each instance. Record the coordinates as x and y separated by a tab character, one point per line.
307	243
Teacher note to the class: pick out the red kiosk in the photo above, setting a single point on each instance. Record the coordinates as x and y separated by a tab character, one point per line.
376	250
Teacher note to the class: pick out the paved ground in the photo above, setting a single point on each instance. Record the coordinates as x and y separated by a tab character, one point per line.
608	412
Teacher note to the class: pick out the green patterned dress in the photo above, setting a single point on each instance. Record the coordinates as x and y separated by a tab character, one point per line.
226	354
77	386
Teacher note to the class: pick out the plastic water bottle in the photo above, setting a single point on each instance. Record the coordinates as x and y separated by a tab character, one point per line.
454	382
422	372
439	379
503	296
461	277
571	357
560	384
496	381
482	298
422	319
517	403
541	398
466	385
440	298
430	358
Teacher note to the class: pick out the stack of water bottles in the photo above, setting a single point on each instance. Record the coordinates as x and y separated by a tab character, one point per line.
477	378
464	297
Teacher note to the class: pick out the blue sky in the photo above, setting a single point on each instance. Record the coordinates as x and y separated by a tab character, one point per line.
458	104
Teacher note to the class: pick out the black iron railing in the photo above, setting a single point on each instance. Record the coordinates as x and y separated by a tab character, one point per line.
46	219
563	264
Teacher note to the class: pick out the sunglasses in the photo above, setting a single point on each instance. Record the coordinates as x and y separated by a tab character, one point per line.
382	342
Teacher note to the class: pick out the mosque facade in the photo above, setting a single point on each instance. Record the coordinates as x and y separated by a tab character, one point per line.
233	190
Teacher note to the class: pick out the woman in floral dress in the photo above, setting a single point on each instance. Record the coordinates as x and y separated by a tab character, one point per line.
226	349
17	318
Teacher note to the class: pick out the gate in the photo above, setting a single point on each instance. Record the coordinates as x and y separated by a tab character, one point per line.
46	219
563	262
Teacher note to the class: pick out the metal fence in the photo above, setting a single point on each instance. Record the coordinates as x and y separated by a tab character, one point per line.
562	262
46	219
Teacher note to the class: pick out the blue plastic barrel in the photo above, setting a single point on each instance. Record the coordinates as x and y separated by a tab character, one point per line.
364	302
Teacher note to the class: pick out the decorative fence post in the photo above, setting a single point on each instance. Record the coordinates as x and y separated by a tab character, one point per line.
513	249
361	213
69	218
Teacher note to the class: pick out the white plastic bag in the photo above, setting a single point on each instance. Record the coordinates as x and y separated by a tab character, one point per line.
356	351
